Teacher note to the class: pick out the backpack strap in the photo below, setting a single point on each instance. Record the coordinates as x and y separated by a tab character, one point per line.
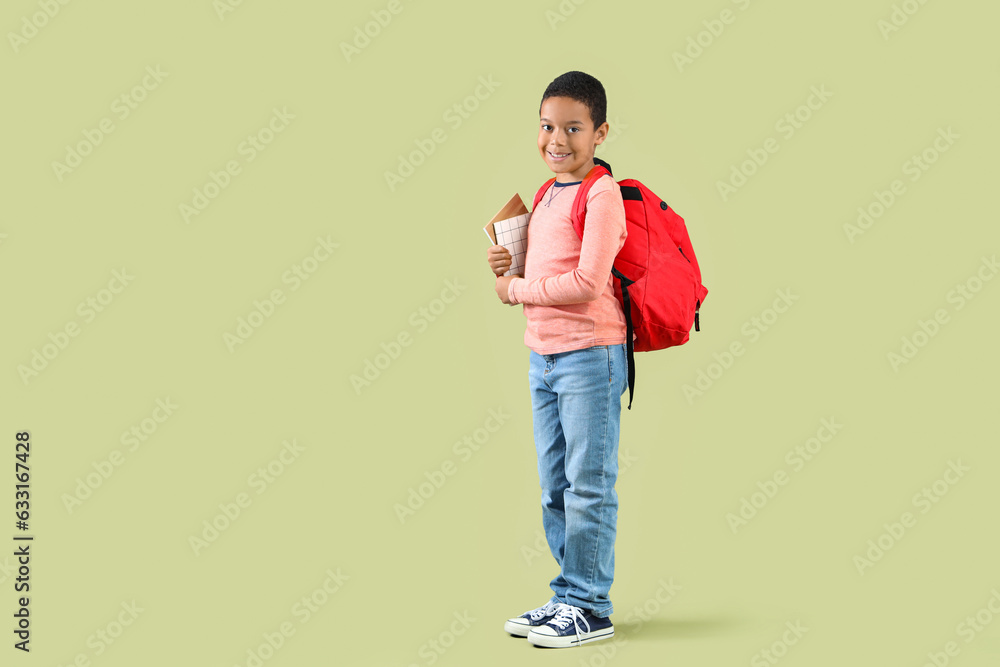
579	216
579	213
625	282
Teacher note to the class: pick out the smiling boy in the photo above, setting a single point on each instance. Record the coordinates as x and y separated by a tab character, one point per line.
578	368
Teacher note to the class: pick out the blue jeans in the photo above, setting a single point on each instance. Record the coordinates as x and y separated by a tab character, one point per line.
576	414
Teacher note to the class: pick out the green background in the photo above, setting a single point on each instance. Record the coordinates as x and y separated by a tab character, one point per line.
472	548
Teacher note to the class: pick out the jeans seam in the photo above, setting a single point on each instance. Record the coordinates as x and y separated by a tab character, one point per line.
625	350
604	456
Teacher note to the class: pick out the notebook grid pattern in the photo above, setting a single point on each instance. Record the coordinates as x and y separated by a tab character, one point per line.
513	235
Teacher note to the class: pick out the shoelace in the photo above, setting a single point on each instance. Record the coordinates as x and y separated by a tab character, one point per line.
566	614
541	612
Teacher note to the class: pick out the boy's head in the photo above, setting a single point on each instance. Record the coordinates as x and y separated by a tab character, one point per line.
572	122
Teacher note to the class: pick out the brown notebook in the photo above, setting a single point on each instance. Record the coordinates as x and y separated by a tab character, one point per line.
509	228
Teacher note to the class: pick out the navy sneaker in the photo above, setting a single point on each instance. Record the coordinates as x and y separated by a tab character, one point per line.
571	626
520	626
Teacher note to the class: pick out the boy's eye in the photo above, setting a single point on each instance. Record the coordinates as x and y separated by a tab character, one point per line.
547	127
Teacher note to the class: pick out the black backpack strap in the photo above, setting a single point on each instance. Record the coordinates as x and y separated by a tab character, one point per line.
625	282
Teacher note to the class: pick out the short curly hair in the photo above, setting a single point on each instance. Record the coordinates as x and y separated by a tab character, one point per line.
583	88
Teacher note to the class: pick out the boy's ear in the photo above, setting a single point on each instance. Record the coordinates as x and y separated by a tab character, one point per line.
602	132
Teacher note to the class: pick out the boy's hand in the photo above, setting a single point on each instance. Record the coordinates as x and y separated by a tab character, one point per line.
499	259
502	283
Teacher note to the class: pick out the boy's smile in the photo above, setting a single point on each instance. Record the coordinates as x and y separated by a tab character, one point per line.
567	138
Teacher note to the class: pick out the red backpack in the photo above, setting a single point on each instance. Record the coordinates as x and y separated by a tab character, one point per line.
659	281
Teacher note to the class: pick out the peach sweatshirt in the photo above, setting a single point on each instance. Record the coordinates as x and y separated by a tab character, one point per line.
567	292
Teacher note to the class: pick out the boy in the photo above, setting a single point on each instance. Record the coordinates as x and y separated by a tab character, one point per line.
577	370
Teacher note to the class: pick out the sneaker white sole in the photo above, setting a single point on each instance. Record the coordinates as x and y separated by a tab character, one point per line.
516	629
547	641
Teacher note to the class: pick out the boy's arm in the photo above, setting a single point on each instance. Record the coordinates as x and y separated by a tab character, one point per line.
601	238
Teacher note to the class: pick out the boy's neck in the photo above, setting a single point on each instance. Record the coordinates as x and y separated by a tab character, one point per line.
571	178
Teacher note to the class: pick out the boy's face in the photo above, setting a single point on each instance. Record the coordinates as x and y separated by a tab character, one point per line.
565	127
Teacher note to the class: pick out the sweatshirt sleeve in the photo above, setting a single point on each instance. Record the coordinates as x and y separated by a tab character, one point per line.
602	232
